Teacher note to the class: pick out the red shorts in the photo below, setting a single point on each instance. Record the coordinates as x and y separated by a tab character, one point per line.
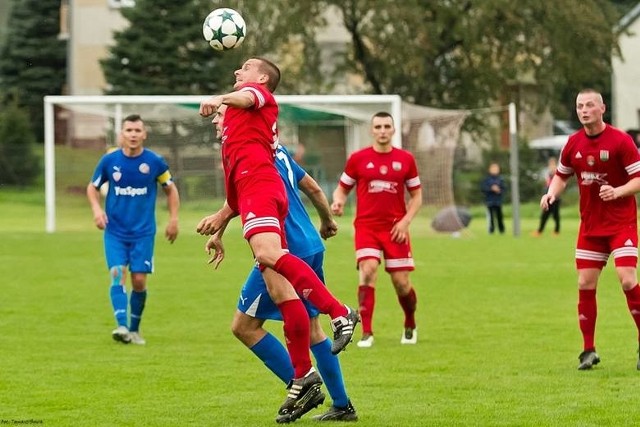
372	243
593	252
262	203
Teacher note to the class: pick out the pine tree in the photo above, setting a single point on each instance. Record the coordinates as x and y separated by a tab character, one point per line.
162	52
19	164
32	59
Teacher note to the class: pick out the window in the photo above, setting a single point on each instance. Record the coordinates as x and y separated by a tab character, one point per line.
116	4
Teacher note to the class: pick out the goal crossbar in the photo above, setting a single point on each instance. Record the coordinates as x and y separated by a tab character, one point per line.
329	103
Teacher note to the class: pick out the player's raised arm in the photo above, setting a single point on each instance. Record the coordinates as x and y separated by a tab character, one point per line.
237	99
309	186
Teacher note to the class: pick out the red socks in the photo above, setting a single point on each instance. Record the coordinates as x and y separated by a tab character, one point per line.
366	301
587	313
633	302
308	285
297	335
408	303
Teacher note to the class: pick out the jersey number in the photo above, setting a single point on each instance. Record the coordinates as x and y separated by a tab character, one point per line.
287	164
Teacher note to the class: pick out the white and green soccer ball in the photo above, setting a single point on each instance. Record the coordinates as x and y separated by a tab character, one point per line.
224	29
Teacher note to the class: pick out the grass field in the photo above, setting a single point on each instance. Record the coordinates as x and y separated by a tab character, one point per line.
498	333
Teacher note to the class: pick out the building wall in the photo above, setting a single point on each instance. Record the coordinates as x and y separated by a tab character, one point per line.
626	80
92	23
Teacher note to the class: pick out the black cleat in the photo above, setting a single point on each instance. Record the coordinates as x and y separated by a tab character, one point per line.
304	395
588	359
638	364
348	413
343	328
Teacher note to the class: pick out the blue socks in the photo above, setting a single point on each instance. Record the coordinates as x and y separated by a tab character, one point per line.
274	356
137	302
119	302
329	368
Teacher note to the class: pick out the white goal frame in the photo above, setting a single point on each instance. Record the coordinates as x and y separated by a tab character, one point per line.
394	101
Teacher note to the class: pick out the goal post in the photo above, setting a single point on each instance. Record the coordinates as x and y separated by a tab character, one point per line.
332	126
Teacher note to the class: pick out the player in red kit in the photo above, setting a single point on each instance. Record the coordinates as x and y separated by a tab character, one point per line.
380	174
606	164
256	192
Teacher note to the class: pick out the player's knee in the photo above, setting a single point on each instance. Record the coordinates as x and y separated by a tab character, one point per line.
118	275
268	256
139	282
243	331
368	270
628	282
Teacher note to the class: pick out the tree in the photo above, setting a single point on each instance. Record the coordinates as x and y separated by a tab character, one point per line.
162	51
459	53
32	59
18	162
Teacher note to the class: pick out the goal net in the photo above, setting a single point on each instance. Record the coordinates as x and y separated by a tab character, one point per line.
320	130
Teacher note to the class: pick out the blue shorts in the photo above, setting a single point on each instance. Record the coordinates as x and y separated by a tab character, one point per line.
137	254
255	301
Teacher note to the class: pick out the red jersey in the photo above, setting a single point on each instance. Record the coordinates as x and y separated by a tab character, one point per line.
381	179
610	158
249	136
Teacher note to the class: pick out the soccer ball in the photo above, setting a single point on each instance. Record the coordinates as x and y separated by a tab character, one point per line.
224	29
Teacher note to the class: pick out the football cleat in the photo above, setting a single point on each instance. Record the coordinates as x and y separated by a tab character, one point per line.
121	333
348	413
304	395
343	328
136	338
588	359
409	336
366	341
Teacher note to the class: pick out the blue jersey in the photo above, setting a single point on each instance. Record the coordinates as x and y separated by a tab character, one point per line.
303	241
302	237
133	186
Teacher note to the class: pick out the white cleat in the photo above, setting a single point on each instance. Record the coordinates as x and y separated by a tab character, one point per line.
409	336
121	333
366	341
136	338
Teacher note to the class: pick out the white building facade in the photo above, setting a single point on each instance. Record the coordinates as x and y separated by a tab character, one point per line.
625	86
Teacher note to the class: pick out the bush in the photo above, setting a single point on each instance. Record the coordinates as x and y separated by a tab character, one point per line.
19	164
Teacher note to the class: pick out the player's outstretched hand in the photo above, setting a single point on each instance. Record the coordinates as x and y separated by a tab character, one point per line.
209	225
546	201
608	193
215	243
400	232
100	219
171	232
328	229
337	208
209	106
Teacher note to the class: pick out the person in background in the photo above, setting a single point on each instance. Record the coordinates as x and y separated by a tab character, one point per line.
606	164
133	173
381	173
554	208
493	188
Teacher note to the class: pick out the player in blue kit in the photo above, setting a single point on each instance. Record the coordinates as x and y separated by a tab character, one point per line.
128	220
260	296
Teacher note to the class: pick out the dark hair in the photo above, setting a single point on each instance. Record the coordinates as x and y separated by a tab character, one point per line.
272	71
382	114
133	118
